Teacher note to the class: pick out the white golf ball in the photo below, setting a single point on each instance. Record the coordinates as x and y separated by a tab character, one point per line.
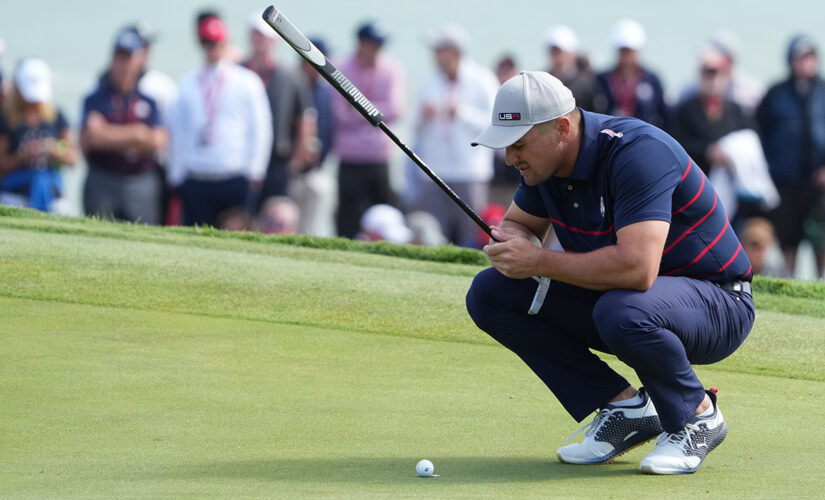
424	468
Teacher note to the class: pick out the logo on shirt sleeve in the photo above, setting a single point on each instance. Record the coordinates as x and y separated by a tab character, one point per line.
611	133
509	116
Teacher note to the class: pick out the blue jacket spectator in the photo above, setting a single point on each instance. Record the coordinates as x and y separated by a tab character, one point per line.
629	89
791	121
121	137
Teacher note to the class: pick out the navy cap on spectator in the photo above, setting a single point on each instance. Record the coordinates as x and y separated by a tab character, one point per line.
801	45
373	32
132	38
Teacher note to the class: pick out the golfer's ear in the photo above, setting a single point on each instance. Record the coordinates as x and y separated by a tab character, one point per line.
563	125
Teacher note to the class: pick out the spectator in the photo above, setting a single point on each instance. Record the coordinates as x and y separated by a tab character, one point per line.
384	223
759	243
506	68
235	219
121	136
221	131
791	121
562	49
278	215
740	88
454	106
631	89
34	140
505	178
364	150
313	188
705	118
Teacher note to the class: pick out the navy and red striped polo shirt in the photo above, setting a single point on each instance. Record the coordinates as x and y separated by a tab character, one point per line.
629	171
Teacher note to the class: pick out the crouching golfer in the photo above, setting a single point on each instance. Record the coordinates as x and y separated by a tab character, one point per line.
651	272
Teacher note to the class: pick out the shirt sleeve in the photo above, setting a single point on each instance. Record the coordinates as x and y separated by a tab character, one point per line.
528	198
89	104
644	175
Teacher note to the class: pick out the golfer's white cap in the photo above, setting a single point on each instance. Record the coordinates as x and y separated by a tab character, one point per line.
561	37
528	98
628	34
33	79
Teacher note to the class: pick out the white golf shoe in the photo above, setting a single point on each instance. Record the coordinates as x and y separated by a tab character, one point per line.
684	451
615	430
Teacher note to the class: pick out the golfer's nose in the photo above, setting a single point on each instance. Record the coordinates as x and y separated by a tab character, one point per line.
510	156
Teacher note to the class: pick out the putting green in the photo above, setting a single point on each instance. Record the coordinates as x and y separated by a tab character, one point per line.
138	362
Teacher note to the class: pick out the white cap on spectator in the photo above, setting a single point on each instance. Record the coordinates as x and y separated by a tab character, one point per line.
387	223
449	35
561	37
257	23
33	79
528	98
628	34
727	43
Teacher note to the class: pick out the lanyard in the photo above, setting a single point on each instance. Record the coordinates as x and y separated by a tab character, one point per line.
123	108
210	94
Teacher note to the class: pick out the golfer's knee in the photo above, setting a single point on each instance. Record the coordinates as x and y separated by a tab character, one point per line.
618	319
482	301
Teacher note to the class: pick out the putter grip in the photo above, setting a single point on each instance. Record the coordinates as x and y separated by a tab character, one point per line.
319	61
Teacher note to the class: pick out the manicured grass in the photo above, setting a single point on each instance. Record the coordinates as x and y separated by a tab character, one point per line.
142	362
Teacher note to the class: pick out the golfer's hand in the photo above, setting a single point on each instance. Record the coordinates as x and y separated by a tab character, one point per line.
513	255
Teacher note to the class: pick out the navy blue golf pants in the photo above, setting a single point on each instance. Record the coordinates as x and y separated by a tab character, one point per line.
659	333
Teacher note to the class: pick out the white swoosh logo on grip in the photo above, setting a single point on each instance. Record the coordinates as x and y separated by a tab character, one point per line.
315	56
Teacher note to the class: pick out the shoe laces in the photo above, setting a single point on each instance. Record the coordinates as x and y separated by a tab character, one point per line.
681	438
592	426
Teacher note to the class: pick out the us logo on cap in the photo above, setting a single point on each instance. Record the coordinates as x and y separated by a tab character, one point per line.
509	116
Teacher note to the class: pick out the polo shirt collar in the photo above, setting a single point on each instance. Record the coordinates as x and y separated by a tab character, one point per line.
588	151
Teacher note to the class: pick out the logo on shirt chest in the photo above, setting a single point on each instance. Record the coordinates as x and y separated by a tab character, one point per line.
601	206
611	133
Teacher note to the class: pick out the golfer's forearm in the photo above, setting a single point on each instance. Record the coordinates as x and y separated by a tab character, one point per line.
603	269
512	226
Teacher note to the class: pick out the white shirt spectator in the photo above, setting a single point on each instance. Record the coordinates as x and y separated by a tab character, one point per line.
444	142
221	125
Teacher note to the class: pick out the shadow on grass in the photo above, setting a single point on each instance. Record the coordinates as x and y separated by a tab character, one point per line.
397	470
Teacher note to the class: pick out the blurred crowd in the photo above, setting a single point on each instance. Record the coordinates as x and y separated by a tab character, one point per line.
243	141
